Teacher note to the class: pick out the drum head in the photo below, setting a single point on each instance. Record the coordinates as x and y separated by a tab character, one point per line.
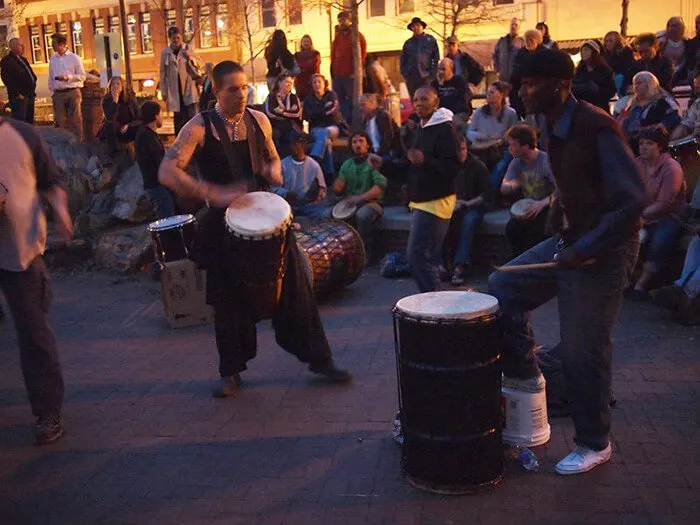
448	305
258	214
344	210
170	222
518	209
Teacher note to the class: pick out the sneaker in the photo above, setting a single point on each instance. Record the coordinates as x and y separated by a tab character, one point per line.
48	429
531	384
330	371
460	274
227	386
669	297
583	459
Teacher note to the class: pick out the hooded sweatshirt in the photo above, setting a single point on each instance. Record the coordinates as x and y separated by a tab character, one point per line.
431	185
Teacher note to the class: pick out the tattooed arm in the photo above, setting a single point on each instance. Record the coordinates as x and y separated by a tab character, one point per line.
171	173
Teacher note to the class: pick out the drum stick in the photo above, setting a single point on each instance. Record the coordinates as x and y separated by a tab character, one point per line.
535	266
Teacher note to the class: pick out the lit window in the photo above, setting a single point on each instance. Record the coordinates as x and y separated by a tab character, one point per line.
171	18
294	9
407	6
222	28
268	13
189	24
114	26
131	33
146	37
99	25
37	49
206	36
49	29
78	38
377	7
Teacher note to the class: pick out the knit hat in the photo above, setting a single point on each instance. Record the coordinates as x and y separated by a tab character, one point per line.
547	63
593	44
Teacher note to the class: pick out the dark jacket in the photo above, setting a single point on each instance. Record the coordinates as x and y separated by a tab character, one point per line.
388	132
419	57
658	112
276	61
504	57
453	95
621	61
18	76
469	69
149	154
206	98
315	111
435	177
596	87
660	66
473	180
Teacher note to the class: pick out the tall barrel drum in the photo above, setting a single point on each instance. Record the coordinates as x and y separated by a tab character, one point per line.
448	358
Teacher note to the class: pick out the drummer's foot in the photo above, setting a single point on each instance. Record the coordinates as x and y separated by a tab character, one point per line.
531	384
227	386
331	372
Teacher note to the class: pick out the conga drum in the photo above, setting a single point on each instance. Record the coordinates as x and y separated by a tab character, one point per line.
519	208
258	224
344	211
172	237
448	347
334	255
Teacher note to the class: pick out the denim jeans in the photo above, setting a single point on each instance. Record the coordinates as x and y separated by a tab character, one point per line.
499	171
523	234
468	224
28	295
322	150
343	87
663	236
690	276
311	210
589	301
162	201
365	219
22	109
424	248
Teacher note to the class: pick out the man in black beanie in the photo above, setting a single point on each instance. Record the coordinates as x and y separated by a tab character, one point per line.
595	219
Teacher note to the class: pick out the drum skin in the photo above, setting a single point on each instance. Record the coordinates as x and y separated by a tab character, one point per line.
334	253
450	401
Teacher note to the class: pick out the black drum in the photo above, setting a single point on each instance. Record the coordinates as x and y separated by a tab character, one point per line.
687	152
172	237
448	358
334	254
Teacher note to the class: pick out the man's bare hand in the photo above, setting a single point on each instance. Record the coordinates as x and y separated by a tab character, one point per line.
415	156
222	196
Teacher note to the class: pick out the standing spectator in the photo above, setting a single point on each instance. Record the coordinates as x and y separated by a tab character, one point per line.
121	118
453	92
547	41
434	163
149	154
533	41
529	176
279	59
303	184
620	58
363	186
342	63
66	78
207	98
663	179
322	112
419	57
672	44
20	81
379	127
690	123
464	64
593	80
179	69
692	54
650	105
650	60
27	173
473	195
284	110
309	63
505	51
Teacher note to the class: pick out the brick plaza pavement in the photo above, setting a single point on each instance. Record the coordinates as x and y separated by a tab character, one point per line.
146	444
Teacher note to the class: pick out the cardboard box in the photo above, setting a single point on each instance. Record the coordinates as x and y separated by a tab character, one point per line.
184	295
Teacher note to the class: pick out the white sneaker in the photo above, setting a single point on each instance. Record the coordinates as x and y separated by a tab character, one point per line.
583	459
531	384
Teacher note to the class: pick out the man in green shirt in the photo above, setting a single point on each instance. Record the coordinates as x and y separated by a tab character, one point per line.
363	186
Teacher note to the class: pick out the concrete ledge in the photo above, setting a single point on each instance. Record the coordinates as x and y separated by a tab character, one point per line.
398	218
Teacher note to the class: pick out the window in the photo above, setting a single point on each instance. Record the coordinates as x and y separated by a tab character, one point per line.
222	28
268	13
131	33
37	49
377	7
294	8
146	37
171	18
206	36
77	30
99	24
503	2
49	29
189	25
407	6
114	24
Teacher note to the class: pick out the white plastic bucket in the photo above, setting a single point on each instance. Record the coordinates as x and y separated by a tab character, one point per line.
526	422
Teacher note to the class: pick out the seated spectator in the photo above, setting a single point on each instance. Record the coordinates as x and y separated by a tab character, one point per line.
529	176
121	118
378	81
593	80
284	111
473	196
620	58
663	178
380	129
690	123
363	186
487	129
303	184
650	105
547	41
453	91
672	44
652	61
322	112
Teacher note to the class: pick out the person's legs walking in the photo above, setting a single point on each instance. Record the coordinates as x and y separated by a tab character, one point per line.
425	241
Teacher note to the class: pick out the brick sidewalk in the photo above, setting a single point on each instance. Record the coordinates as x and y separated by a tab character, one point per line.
146	444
